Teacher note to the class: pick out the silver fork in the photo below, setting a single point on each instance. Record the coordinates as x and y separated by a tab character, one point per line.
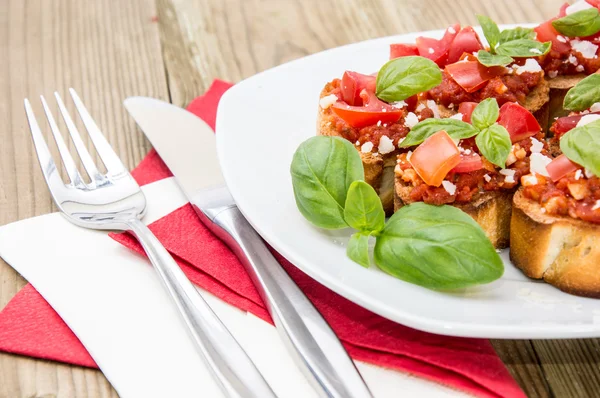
114	201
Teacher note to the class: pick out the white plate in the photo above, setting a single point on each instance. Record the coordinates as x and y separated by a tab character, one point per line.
260	123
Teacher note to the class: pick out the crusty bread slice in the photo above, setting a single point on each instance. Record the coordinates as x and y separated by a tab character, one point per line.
491	210
561	250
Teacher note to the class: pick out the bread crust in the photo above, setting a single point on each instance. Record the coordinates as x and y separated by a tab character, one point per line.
491	210
562	251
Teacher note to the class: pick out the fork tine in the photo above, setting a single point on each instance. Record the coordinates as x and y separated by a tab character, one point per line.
67	159
47	164
86	158
107	154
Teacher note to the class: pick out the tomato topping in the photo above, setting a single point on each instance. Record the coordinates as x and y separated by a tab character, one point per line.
468	163
435	157
411	102
468	57
373	111
471	75
402	50
563	10
437	50
466	108
352	85
560	167
518	121
546	32
587	214
595	3
466	41
567	123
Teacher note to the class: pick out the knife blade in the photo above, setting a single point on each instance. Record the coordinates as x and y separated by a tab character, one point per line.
187	145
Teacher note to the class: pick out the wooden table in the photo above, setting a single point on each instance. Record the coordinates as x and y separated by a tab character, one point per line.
173	49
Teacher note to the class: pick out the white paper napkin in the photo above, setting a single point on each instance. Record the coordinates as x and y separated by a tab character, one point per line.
113	301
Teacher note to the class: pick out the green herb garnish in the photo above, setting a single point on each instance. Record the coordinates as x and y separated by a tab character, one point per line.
404	77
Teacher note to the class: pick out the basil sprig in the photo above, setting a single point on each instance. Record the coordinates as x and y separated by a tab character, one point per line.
582	146
585	94
509	43
404	77
494	138
438	247
579	24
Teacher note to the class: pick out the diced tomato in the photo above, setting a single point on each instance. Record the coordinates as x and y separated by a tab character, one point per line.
595	3
352	85
468	163
560	167
466	41
471	75
518	121
563	10
373	111
466	108
435	157
586	213
546	32
411	102
437	50
402	50
567	123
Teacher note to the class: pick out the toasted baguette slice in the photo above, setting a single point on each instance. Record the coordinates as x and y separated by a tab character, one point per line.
561	250
491	210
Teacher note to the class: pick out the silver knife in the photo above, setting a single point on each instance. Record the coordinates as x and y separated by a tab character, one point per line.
187	145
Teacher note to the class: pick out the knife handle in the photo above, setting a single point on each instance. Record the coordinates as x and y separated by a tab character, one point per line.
308	337
234	371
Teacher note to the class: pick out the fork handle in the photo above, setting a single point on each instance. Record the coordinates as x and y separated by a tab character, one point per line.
234	371
308	337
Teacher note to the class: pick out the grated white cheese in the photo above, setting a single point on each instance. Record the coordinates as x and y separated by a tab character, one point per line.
595	107
552	74
408	155
458	116
433	106
534	51
538	163
449	187
357	143
420	107
467	151
529	179
587	119
366	147
578	6
507	172
596	205
431	50
411	120
580	68
531	65
451	30
385	145
398	104
588	173
328	100
586	48
379	123
451	106
572	59
536	146
543	210
561	39
578	174
487	178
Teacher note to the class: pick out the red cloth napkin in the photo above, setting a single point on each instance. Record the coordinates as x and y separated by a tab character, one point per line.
29	326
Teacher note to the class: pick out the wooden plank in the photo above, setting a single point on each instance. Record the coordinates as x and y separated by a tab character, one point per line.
106	50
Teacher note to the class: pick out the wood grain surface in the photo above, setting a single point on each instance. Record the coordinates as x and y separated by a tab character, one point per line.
173	49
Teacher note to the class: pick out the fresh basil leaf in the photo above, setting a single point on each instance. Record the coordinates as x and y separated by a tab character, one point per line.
579	24
438	247
585	94
487	59
364	210
323	168
490	30
494	144
523	48
485	113
456	129
516	34
358	249
404	77
582	146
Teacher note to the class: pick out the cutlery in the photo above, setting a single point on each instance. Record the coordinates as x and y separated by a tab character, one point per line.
114	201
187	145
